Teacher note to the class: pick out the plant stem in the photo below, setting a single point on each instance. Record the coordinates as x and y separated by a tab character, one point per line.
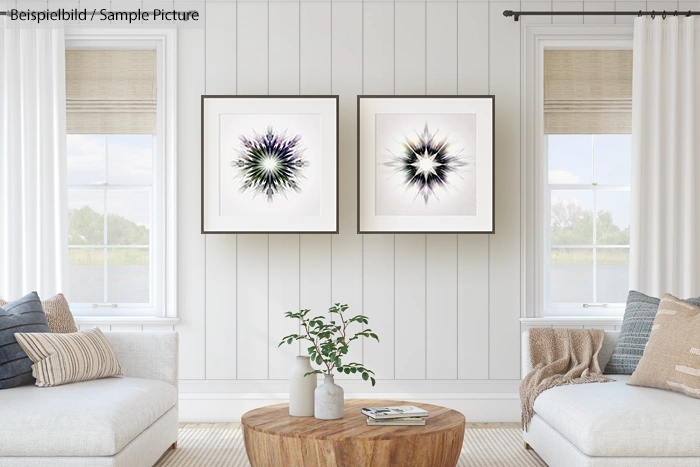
318	351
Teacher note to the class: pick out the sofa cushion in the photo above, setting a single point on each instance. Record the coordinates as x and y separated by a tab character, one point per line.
614	419
90	418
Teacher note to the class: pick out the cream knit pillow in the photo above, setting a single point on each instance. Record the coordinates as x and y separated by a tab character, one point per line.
68	358
671	359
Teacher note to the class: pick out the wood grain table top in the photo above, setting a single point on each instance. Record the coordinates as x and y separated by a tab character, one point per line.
275	419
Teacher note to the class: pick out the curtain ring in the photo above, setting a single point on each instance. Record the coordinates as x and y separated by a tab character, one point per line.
640	14
675	13
653	14
688	15
664	15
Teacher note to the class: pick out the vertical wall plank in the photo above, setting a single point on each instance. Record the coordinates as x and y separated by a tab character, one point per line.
598	6
221	258
378	48
441	310
409	299
252	34
284	249
252	305
191	294
541	5
441	250
567	6
441	47
409	250
253	249
628	6
284	47
504	253
473	250
347	83
410	48
378	251
315	70
283	296
315	47
378	286
473	61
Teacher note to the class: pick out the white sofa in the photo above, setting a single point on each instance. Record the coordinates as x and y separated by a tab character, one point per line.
127	421
613	424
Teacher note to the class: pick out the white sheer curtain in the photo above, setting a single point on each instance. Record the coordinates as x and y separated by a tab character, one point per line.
33	205
665	228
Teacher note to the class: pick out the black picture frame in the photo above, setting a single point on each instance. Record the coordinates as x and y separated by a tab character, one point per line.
360	99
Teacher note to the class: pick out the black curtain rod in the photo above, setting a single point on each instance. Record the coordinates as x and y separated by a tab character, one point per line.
517	14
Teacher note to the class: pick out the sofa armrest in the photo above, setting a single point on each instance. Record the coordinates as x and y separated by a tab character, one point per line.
149	355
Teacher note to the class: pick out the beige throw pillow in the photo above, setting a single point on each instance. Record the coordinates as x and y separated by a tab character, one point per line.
671	359
68	358
58	314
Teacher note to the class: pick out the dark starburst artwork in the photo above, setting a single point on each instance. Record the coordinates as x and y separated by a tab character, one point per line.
270	164
426	162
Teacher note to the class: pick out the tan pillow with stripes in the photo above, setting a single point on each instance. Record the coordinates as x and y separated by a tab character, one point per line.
68	358
671	358
57	312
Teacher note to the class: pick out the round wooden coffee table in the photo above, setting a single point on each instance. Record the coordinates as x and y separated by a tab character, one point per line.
273	438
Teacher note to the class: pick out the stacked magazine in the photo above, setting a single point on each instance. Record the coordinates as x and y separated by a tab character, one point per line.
403	415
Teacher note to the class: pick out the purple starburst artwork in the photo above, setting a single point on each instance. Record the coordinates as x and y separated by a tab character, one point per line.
426	162
270	164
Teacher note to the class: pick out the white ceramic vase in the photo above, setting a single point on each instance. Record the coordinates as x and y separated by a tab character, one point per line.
329	400
301	389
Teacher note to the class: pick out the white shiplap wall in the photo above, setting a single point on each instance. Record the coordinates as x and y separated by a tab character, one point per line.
447	307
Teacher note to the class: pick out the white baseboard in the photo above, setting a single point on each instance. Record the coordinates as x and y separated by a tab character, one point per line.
229	407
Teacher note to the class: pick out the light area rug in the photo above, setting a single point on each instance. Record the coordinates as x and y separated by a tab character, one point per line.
214	447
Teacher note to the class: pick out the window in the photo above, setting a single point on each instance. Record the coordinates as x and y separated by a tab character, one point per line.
584	153
110	218
120	173
588	201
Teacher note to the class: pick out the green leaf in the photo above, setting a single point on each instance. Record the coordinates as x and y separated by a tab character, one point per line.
354	370
290	340
319	360
365	376
347	370
373	381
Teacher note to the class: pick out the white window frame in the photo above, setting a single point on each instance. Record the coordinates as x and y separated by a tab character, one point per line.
164	231
534	182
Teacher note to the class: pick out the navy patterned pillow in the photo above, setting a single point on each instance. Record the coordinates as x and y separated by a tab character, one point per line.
636	326
23	315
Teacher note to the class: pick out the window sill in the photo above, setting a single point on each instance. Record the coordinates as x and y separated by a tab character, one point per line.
138	320
572	321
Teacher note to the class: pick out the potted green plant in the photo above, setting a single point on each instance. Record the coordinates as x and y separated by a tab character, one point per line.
330	341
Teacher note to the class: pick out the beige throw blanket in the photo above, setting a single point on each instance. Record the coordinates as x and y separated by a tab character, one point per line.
560	357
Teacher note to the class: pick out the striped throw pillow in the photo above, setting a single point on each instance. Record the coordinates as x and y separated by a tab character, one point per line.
58	314
69	358
671	359
23	315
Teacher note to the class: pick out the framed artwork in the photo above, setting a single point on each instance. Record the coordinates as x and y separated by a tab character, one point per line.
425	164
269	164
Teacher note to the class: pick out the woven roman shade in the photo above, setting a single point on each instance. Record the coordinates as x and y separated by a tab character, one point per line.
587	91
111	91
